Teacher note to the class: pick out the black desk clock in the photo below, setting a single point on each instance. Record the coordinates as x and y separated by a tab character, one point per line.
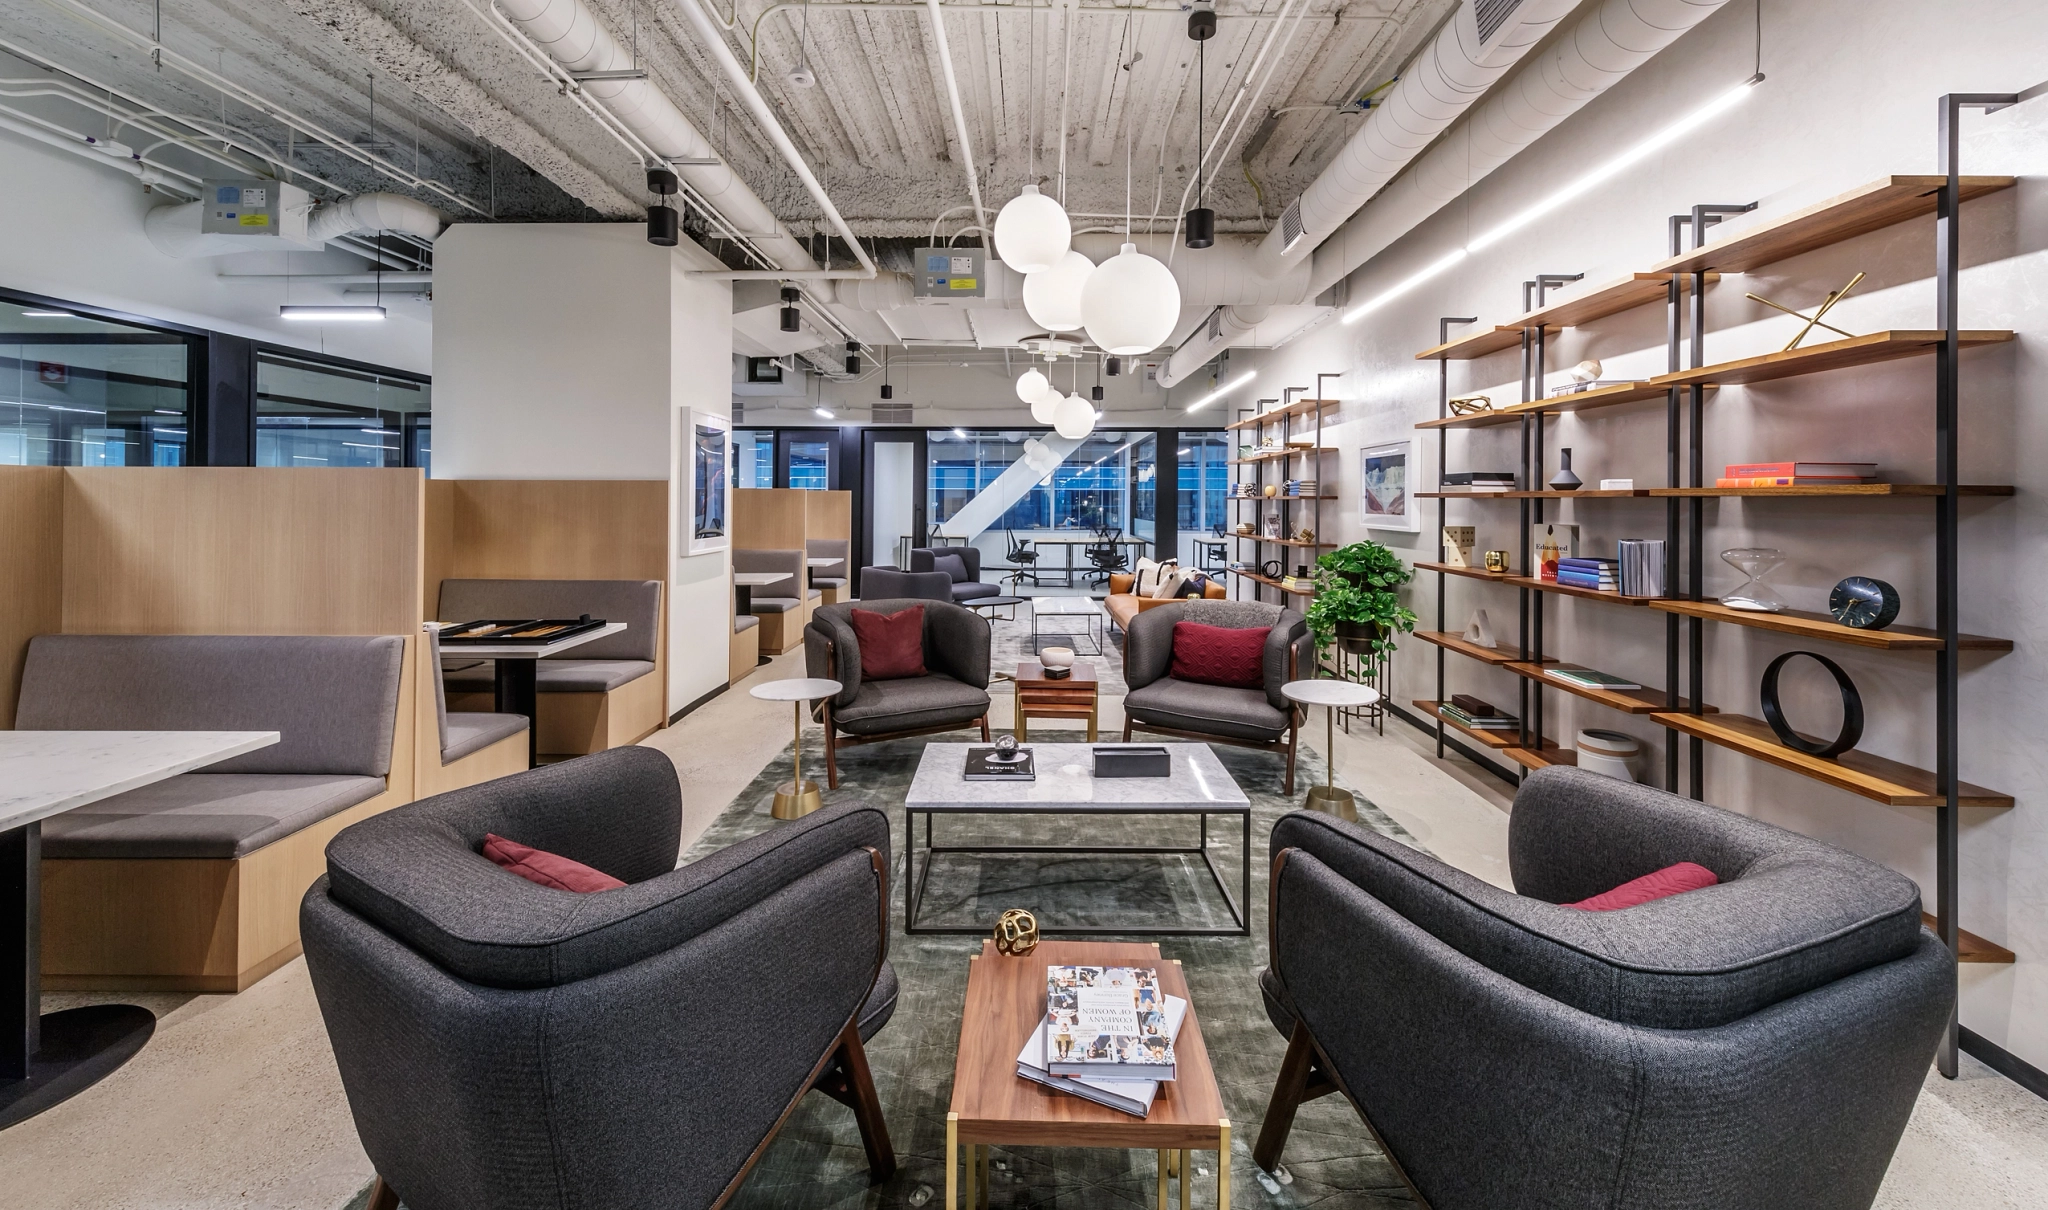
1864	603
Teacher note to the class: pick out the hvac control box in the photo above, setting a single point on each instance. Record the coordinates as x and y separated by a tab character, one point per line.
949	272
241	207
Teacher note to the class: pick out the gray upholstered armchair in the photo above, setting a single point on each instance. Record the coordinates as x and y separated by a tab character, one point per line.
1250	718
1751	1045
966	580
893	583
509	1046
952	694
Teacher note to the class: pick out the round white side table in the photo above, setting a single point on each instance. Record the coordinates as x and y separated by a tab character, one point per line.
1332	696
796	798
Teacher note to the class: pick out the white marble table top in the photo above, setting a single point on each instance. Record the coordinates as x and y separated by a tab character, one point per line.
1066	781
1058	606
45	773
527	651
1330	692
796	689
755	579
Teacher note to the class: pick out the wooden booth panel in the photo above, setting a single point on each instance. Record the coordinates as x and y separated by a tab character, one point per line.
555	529
768	518
31	569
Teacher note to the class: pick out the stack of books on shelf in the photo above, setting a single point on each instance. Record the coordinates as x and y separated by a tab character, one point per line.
1301	487
1107	1036
1796	474
1476	481
1601	575
1642	566
1245	491
1478	714
1586	678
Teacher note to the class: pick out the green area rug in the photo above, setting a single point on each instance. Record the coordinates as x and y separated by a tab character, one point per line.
817	1160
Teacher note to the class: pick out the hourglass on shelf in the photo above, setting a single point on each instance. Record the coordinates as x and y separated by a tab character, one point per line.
1754	595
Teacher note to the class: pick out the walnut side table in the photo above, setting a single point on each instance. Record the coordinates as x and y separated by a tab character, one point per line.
992	1104
1040	696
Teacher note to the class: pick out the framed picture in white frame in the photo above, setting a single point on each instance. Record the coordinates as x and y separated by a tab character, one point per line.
1386	475
704	507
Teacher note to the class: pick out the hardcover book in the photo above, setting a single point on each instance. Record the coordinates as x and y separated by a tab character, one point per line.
1818	470
1134	1097
1586	678
1107	1022
989	764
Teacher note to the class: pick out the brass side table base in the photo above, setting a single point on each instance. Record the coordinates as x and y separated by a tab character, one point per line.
1332	800
794	800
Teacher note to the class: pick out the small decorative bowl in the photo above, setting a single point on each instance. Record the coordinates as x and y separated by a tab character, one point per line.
1058	661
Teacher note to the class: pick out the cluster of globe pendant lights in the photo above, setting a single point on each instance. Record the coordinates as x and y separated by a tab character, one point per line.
1128	304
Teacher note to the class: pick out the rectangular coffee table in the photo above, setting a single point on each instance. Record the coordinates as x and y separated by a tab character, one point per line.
993	1104
1067	611
1066	785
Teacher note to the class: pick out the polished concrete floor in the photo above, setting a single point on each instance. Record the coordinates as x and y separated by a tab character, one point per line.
235	1101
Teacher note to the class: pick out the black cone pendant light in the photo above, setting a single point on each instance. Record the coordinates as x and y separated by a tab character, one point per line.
1201	221
664	223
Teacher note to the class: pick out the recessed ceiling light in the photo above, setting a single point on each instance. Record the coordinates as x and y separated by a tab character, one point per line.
825	412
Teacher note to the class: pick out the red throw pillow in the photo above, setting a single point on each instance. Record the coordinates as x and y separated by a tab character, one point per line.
1220	655
545	868
1671	880
891	644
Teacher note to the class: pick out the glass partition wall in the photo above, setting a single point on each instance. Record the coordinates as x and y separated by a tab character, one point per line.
1204	499
76	390
311	413
997	489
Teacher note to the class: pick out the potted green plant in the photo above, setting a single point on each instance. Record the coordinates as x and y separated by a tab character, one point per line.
1355	602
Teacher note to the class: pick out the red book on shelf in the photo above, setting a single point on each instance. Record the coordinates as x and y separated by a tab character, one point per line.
1786	481
1808	470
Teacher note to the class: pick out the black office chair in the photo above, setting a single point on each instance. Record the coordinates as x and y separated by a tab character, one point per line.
1023	559
1214	555
1105	555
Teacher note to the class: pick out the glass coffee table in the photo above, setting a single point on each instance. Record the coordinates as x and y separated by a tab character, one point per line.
1066	785
1067	619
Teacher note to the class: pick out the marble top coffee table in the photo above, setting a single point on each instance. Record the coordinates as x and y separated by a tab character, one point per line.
1066	785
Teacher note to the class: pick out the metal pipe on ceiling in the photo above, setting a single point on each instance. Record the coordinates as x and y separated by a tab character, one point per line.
945	53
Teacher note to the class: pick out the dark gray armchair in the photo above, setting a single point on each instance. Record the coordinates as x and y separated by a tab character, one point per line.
925	558
952	694
893	583
1752	1045
1249	718
508	1046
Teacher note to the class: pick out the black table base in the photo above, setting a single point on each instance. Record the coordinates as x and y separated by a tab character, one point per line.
517	692
1239	906
46	1060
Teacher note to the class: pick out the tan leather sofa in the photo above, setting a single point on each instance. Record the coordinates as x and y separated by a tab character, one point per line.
1123	604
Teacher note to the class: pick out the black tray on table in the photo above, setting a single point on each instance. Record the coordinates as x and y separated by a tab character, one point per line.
539	631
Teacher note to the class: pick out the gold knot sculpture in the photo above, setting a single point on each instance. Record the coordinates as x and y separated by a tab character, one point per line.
1016	933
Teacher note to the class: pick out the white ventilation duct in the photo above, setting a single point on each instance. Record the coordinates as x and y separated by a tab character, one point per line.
1606	44
1481	42
375	212
570	34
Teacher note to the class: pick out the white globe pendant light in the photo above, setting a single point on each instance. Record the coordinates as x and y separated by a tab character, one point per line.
1053	298
1045	406
1031	384
1074	418
1130	303
1032	232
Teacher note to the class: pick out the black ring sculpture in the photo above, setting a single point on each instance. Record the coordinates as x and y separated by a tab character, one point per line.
1852	708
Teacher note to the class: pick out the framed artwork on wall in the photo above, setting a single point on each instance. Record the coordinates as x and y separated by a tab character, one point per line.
705	505
1384	488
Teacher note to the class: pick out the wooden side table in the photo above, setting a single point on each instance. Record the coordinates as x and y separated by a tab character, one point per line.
993	1104
1039	696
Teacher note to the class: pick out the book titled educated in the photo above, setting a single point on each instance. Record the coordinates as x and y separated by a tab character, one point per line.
1107	1022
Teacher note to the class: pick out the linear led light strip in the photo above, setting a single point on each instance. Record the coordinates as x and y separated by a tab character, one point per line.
1582	185
1223	390
331	314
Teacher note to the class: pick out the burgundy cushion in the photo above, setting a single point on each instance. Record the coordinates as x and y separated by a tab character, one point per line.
1220	655
545	868
1671	880
891	644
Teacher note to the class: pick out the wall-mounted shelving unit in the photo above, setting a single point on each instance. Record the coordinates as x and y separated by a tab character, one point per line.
1282	423
1678	282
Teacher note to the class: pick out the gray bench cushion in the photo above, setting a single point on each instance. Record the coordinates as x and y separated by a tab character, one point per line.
333	699
556	676
767	605
828	581
907	705
469	733
742	625
637	603
207	815
1215	709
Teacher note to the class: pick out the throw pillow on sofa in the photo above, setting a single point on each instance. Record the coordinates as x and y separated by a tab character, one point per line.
1170	579
1220	655
1144	577
891	644
1660	884
954	566
547	869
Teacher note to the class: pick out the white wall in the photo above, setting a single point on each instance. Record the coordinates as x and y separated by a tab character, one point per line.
565	351
1850	96
74	232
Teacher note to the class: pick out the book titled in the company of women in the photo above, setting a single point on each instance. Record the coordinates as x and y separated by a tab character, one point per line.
1107	1022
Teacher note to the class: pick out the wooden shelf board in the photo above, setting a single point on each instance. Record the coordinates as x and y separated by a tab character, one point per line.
1550	755
1867	208
1300	407
1274	455
1873	777
1839	490
1970	947
1454	642
1628	701
1625	392
1272	583
1283	542
1568	590
1588	493
1485	493
1819	358
1473	573
1499	741
1582	307
1821	626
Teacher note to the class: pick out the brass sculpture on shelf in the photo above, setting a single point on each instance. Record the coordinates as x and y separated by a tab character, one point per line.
1467	405
1814	320
1016	933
